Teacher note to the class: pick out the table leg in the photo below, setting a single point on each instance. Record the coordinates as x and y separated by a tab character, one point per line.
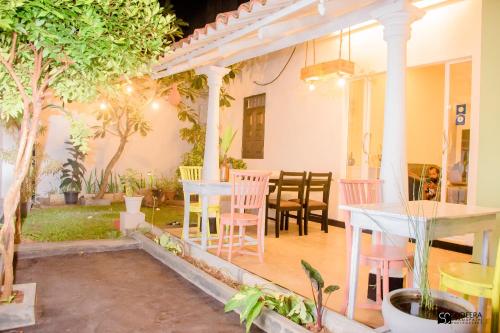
185	226
484	262
354	269
204	221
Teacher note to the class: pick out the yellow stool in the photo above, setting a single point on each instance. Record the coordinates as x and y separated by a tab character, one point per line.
194	173
476	280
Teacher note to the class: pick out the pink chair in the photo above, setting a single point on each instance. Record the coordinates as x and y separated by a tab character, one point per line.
249	189
382	257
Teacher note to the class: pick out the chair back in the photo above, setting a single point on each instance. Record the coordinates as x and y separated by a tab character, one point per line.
248	189
496	274
319	182
190	172
291	182
360	191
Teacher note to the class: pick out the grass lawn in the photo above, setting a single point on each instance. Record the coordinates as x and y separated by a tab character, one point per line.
65	223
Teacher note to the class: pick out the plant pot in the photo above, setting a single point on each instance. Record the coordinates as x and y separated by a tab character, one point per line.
400	309
25	208
133	204
71	198
158	194
224	171
169	195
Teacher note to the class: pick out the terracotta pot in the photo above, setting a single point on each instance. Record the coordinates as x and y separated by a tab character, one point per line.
400	321
224	171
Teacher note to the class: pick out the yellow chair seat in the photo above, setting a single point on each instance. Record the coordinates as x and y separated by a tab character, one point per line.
469	274
196	208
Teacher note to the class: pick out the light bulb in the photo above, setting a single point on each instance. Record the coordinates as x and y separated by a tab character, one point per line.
103	106
129	89
341	82
312	87
155	105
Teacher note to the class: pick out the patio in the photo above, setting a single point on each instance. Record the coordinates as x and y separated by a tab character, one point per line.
123	291
326	252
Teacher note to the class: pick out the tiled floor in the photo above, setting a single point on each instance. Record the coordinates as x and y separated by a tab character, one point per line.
326	252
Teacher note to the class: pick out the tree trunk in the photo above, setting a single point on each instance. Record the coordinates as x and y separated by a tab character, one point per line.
109	168
27	141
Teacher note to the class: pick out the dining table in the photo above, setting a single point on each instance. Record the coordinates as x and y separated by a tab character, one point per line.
205	190
414	218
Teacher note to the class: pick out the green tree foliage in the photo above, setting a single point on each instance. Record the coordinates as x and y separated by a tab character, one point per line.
67	50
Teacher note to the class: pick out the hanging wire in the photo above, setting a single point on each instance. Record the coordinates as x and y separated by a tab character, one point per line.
307	51
349	41
281	72
340	45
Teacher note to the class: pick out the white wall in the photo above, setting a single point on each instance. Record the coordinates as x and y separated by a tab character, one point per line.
160	151
304	129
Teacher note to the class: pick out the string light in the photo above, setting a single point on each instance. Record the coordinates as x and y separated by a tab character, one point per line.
312	87
103	106
341	81
129	89
155	105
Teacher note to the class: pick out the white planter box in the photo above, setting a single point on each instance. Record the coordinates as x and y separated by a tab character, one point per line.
133	204
17	315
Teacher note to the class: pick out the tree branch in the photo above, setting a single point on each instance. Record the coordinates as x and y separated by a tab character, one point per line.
50	78
12	54
16	79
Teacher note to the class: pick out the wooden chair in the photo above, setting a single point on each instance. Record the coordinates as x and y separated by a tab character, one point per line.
475	280
247	193
317	182
382	257
291	182
194	173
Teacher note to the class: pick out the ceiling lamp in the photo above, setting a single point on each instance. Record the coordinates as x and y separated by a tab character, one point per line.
341	68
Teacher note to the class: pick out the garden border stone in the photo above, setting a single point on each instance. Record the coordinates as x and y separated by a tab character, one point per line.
269	321
48	249
15	315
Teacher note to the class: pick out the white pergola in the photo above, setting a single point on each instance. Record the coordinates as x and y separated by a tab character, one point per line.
259	27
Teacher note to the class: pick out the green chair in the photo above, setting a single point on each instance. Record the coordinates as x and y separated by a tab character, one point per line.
475	280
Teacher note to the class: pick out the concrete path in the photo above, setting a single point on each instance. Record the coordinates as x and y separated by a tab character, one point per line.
123	291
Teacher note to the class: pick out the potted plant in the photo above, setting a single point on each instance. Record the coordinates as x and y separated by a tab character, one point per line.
421	309
131	185
318	288
225	143
73	172
169	187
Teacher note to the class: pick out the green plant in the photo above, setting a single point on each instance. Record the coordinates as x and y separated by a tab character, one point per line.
236	163
251	300
130	182
73	171
226	140
169	244
168	184
52	49
318	288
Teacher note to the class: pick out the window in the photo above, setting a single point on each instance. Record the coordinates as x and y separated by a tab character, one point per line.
253	127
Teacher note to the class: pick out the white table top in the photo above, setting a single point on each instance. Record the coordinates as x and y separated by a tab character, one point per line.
421	210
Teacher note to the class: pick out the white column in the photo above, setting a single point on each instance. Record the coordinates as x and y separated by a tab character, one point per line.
211	157
396	19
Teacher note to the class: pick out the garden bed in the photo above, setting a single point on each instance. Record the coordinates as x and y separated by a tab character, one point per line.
215	286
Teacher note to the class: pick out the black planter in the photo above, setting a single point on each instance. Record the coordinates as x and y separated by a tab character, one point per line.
71	198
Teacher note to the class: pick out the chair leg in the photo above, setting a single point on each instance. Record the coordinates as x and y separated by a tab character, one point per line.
282	221
495	312
306	220
266	215
386	278
221	241
324	222
277	224
231	234
299	221
287	220
259	242
242	237
378	287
